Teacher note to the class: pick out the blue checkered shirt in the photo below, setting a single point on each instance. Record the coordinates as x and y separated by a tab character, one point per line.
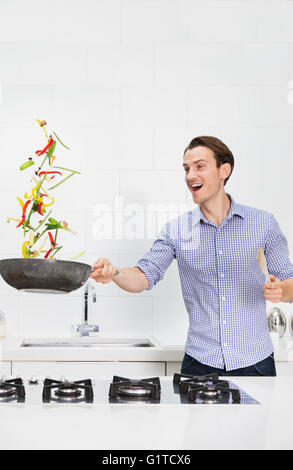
221	281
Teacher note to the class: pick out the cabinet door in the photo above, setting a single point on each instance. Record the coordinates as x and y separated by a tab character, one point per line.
39	370
82	370
173	367
5	369
284	369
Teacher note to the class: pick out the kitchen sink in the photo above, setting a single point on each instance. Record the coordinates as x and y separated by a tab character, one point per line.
88	343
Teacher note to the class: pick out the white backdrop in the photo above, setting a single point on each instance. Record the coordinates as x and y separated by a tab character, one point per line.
127	84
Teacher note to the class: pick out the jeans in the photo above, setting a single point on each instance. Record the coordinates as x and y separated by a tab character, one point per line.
266	367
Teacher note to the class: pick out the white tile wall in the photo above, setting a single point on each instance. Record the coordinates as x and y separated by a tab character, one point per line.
223	21
275	21
129	315
170	319
239	106
127	84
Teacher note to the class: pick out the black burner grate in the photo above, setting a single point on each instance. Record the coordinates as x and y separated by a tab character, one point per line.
145	388
79	390
206	389
12	389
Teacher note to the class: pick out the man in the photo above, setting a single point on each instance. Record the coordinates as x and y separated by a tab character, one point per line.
216	247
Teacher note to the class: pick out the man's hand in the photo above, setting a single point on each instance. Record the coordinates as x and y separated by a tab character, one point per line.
104	271
273	291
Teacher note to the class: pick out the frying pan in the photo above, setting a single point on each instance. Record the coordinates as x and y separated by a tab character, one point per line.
44	275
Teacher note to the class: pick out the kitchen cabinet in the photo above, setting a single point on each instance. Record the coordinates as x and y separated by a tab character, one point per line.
172	367
5	368
81	370
284	369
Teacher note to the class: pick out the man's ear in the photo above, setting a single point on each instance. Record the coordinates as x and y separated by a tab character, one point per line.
225	170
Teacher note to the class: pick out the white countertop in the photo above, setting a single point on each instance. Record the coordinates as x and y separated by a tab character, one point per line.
156	426
11	350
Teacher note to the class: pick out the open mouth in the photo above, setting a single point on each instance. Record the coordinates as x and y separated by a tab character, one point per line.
196	187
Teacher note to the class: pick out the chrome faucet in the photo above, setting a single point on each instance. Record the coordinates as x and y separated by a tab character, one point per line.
84	328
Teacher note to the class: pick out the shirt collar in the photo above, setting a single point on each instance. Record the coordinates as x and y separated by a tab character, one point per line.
235	209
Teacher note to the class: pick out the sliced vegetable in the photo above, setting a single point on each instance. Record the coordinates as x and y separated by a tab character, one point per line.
52	241
77	256
58	184
48	252
60	141
31	238
67	169
46	148
34	190
52	227
40	208
66	227
55	249
40	249
20	202
53	221
49	173
24	249
12	218
42	221
42	124
40	198
52	201
26	164
51	150
23	213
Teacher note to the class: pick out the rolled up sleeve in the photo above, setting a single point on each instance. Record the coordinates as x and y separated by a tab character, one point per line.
277	252
157	260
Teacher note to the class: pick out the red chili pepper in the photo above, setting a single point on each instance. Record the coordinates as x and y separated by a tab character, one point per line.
40	208
48	252
23	213
52	239
45	149
49	173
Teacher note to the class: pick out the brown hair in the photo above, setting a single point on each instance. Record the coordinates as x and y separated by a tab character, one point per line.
222	153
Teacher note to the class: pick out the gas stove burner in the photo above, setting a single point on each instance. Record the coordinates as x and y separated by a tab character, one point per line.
206	389
12	389
134	390
77	391
185	381
149	389
6	390
195	378
217	393
209	392
68	390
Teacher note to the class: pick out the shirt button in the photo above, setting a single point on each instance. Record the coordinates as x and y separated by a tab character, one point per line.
223	298
220	252
225	344
222	275
224	322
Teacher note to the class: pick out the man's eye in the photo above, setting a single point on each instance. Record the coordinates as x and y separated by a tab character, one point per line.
186	170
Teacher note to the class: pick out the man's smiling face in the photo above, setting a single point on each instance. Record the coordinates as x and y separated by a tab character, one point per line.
203	178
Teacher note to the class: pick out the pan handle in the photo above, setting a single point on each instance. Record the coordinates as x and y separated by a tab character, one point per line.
115	273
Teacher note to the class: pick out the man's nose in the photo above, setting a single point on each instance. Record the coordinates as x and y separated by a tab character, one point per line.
192	174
